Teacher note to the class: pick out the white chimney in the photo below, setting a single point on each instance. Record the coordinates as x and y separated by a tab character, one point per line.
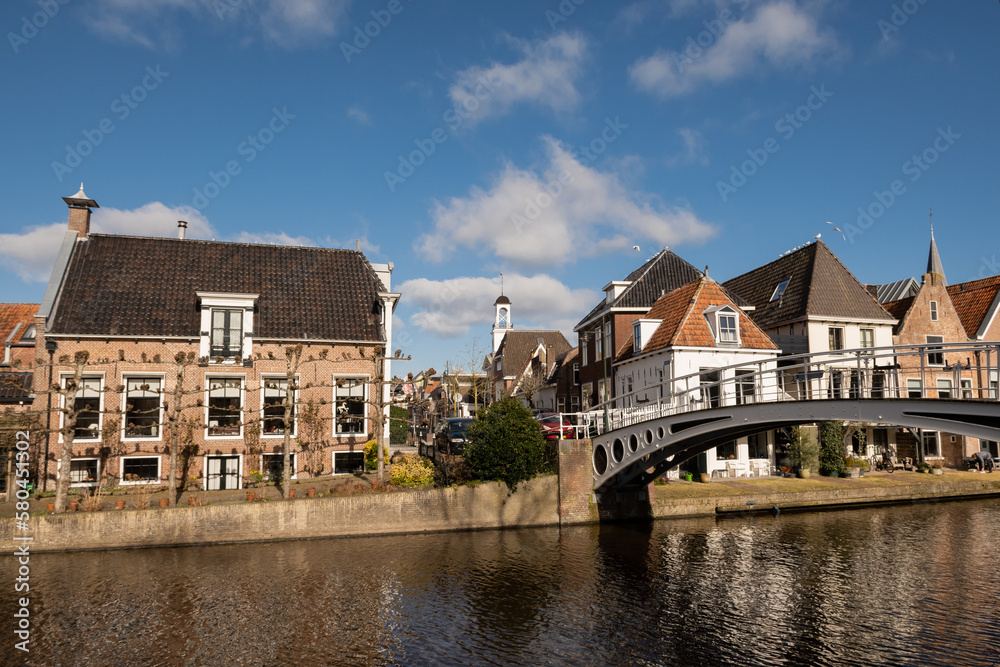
181	229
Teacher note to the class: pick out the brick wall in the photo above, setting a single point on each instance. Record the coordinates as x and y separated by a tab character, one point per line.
576	482
487	505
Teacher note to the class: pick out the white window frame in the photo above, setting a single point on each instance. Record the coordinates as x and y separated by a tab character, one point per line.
239	469
934	311
63	377
929	342
923	444
869	334
608	346
159	469
945	385
208	392
293	461
97	476
159	415
585	344
830	334
227	301
910	385
295	404
636	338
365	382
965	388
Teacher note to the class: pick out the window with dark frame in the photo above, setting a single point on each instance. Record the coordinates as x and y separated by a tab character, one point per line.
726	451
348	462
836	335
227	333
934	311
966	388
913	389
275	391
931	447
224	406
140	469
142	407
935	358
83	471
757	445
576	374
745	389
274	465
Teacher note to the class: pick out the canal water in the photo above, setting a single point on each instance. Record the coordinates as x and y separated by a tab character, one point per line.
907	585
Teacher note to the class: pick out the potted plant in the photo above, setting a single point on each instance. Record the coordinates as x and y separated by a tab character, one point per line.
936	469
803	453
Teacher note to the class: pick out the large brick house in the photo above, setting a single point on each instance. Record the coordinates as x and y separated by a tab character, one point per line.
930	317
133	304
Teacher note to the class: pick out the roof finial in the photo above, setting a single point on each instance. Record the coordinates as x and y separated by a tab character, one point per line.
932	222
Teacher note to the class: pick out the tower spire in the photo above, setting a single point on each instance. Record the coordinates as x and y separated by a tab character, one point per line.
934	265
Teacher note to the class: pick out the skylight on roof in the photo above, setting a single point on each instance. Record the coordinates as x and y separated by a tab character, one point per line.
780	289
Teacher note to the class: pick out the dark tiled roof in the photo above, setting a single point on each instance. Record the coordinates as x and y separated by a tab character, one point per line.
665	272
561	361
972	301
684	324
518	346
899	309
818	284
15	387
12	314
126	285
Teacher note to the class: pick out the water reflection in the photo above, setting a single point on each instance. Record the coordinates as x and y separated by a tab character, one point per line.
895	586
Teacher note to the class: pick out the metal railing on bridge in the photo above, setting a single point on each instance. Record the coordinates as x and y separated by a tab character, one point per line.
956	371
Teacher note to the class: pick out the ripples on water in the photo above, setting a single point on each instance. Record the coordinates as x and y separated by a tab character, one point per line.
913	585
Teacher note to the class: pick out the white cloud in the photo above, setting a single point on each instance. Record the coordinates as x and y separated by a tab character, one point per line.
546	76
31	253
155	23
358	114
450	308
152	219
555	215
779	34
693	151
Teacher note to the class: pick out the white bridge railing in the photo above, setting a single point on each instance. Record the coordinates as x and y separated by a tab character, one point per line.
962	371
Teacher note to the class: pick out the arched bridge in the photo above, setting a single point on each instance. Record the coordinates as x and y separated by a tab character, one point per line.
942	387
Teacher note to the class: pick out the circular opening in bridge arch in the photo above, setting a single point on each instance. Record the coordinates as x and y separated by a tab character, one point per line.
633	443
660	433
618	450
648	436
600	460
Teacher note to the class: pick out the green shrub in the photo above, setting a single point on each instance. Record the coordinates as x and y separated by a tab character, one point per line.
831	448
412	470
399	422
371	455
505	444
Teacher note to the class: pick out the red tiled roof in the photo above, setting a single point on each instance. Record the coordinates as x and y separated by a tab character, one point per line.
899	309
684	324
12	314
972	301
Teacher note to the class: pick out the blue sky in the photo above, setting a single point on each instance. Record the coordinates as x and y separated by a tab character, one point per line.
543	140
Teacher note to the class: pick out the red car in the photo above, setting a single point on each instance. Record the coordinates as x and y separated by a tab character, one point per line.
551	425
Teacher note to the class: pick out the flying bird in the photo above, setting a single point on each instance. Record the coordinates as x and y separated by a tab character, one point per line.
636	248
837	229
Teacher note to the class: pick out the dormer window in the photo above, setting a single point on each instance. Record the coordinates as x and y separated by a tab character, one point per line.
29	333
779	291
724	323
227	333
636	338
226	326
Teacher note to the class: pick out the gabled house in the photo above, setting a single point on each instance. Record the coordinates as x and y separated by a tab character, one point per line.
695	332
510	363
607	327
134	304
560	391
926	318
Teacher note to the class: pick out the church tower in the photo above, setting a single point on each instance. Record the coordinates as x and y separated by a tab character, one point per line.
502	322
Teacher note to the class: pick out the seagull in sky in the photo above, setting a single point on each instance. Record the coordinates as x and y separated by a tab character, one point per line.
636	248
837	229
